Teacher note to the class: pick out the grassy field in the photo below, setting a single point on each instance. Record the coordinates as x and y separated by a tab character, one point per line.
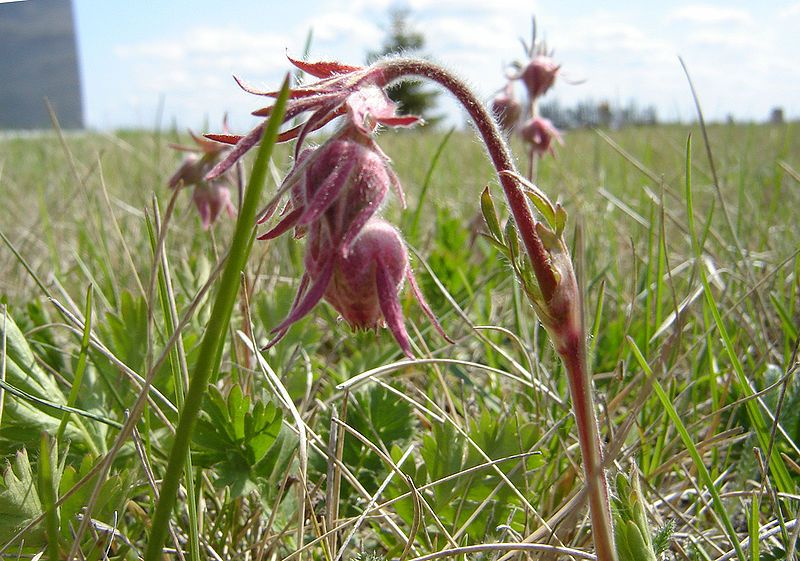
694	354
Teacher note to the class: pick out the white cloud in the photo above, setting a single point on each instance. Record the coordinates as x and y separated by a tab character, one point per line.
707	14
792	11
621	55
192	72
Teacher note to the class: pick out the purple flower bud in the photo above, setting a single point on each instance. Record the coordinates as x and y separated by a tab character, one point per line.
506	108
211	199
343	183
539	75
363	286
539	133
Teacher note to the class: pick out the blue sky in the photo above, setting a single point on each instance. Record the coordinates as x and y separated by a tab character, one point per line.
743	57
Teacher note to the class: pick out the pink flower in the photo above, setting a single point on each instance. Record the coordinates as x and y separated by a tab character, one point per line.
363	285
341	90
209	197
506	108
539	133
539	75
343	182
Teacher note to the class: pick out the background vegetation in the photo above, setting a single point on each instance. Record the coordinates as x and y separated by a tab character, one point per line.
473	447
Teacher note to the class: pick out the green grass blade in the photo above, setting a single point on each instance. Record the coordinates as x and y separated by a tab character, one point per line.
207	361
424	191
81	367
179	371
47	495
686	438
778	470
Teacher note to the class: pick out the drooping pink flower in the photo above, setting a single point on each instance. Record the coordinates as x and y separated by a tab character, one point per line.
539	75
539	133
343	182
354	91
210	197
506	108
363	285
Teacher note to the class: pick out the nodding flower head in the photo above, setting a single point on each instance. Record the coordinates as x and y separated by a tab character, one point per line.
354	91
539	133
342	183
506	108
363	286
538	75
209	197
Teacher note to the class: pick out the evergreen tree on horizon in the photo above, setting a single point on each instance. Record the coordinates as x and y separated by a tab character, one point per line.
401	38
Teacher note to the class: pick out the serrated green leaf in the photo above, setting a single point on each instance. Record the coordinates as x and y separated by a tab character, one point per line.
19	500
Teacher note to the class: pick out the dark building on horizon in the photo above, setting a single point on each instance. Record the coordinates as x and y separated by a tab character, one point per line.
38	60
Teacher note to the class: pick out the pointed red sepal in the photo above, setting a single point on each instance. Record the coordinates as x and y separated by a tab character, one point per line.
290	220
323	69
390	307
412	283
400	121
231	139
250	89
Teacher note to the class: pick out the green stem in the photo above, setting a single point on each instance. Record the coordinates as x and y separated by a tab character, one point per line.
209	355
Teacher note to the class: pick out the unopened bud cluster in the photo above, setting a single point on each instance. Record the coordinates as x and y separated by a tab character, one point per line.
538	74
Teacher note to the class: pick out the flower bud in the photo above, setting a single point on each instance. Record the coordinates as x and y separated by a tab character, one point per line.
539	75
343	183
363	285
506	108
539	133
211	199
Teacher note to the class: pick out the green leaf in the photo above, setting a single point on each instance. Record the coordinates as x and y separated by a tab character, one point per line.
490	216
233	436
33	398
19	500
113	494
560	220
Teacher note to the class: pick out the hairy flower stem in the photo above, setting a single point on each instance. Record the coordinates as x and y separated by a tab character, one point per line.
559	292
394	69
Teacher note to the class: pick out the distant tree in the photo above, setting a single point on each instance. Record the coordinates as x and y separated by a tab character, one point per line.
402	38
776	116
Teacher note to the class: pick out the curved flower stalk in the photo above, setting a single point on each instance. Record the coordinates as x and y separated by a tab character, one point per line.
548	277
209	196
358	267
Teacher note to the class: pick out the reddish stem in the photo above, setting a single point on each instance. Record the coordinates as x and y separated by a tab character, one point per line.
397	68
566	328
573	353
